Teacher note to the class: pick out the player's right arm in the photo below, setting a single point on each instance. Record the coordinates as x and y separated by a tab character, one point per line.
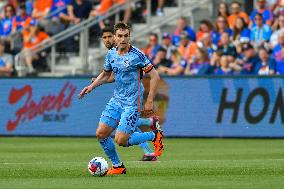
110	80
101	79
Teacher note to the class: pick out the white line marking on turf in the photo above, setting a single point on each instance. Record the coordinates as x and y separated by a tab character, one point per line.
185	160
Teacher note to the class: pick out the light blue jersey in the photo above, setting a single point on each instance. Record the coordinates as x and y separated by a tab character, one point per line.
127	70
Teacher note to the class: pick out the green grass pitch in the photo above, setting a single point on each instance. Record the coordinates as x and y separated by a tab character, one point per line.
61	163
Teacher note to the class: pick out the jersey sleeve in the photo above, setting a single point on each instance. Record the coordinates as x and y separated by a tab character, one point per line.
107	64
145	63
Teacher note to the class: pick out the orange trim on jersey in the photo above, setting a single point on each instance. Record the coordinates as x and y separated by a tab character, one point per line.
148	68
138	100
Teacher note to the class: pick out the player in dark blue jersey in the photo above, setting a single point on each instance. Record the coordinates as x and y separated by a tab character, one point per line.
127	64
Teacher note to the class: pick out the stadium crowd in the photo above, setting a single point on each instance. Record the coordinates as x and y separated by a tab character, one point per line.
236	42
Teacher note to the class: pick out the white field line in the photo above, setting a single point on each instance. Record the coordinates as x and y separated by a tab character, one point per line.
204	160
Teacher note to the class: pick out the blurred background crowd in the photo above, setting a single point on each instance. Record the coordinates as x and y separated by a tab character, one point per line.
236	42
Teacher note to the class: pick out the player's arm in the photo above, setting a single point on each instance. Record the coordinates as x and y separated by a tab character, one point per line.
110	80
154	79
101	79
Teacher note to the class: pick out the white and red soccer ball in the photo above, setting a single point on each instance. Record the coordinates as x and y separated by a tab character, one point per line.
98	166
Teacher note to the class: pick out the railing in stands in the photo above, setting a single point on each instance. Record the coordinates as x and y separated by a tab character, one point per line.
81	28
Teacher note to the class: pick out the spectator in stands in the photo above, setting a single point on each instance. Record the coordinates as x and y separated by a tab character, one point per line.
280	64
7	25
227	47
3	4
277	50
248	65
20	20
161	59
205	27
58	18
260	33
6	61
182	25
60	7
153	46
267	65
79	10
236	13
159	11
105	5
264	11
224	68
277	7
241	32
29	6
187	47
223	10
167	45
221	27
41	9
32	36
200	64
178	66
206	42
278	27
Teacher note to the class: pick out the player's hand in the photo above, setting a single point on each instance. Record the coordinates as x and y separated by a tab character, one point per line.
148	106
86	90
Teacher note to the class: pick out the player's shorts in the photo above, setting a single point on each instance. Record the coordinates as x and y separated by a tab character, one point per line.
121	118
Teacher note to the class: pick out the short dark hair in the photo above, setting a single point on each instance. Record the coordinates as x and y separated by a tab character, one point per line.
236	2
162	50
106	29
121	26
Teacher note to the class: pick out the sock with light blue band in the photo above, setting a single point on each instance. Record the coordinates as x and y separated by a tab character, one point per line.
109	149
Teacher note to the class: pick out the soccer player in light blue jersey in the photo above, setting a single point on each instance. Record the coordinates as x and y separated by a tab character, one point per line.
127	64
108	40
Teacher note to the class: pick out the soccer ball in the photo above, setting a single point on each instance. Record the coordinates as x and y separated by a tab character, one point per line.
98	166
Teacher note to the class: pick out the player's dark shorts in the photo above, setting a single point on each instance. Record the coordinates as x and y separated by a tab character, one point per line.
122	118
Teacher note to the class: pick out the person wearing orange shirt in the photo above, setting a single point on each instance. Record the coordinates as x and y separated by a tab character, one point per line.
32	36
187	48
235	13
105	5
41	8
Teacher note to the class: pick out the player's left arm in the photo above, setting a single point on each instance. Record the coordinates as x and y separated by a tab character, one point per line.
154	79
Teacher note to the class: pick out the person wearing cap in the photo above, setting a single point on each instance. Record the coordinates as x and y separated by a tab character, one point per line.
167	45
187	48
6	61
250	60
264	11
260	33
182	25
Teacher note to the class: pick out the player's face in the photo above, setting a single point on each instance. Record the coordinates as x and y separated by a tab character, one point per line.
122	38
108	39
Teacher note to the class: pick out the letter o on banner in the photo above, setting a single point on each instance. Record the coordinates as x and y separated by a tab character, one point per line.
253	119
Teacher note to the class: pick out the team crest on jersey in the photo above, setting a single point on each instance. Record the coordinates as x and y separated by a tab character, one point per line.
126	62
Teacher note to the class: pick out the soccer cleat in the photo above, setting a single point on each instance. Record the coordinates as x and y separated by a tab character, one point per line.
149	157
158	143
117	170
155	123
